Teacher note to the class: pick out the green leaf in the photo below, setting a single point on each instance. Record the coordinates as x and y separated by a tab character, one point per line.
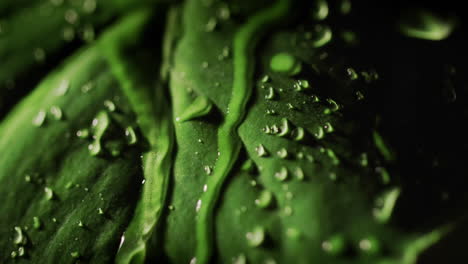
83	202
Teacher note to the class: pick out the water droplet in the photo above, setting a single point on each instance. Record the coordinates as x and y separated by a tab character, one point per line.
385	204
363	161
205	187
37	223
80	224
193	261
100	211
301	85
208	170
359	95
265	199
261	151
265	79
49	193
255	237
89	6
87	87
68	33
285	63
171	207
82	133
293	233
270	95
423	24
99	126
63	88
328	127
352	74
320	10
331	154
322	35
319	133
384	175
382	146
248	166
210	26
201	106
345	7
198	206
282	174
56	112
75	254
335	245
19	238
39	54
110	106
241	259
71	16
289	195
40	118
297	134
282	153
288	211
21	252
130	136
333	105
284	128
299	173
13	254
369	245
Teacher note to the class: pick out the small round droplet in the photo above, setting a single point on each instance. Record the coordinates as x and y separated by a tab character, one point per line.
255	237
322	35
56	112
261	151
75	254
82	133
265	199
130	136
49	193
37	223
293	233
335	245
282	153
369	245
282	174
285	63
40	118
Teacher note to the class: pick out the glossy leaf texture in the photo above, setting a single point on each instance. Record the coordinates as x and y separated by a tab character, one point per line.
207	131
